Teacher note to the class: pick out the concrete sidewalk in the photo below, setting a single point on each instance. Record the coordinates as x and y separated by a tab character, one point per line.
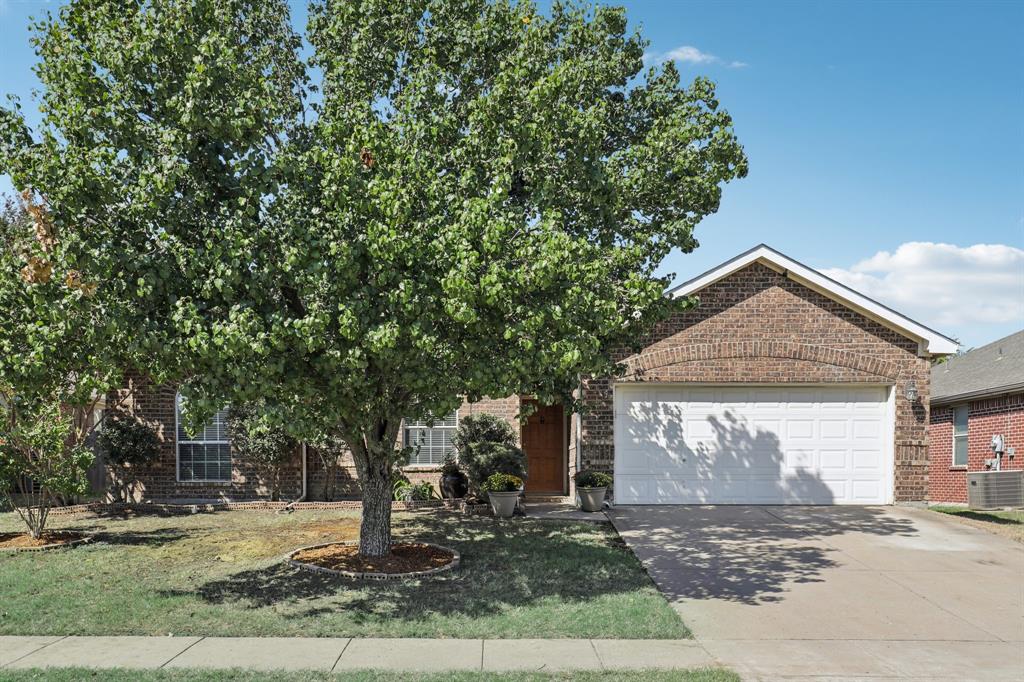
341	654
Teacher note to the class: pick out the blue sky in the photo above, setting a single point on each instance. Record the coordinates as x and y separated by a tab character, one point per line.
886	143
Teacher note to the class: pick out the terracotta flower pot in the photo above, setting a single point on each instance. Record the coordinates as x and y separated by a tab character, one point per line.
591	499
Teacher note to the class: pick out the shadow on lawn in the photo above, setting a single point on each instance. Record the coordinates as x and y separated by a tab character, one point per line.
145	538
513	563
984	516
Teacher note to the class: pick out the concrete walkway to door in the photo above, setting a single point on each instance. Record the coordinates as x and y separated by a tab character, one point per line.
837	592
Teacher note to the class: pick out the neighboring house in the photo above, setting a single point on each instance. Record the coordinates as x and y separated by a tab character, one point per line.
782	386
975	396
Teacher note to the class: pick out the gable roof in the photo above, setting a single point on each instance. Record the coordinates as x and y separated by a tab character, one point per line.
930	341
994	369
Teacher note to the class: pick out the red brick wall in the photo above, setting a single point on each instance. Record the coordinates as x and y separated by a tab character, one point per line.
757	325
1003	415
154	405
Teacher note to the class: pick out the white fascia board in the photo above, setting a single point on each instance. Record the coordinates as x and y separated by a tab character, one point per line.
931	341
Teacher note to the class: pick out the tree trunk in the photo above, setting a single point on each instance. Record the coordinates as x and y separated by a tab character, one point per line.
372	454
375	528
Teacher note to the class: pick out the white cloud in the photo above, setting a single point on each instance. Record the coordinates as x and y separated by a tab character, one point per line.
692	55
689	53
948	287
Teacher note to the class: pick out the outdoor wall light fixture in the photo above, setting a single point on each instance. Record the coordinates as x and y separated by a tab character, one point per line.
912	391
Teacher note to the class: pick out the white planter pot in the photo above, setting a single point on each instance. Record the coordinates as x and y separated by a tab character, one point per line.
503	504
591	499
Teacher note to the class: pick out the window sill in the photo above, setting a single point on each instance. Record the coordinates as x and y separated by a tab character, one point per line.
420	468
958	468
206	483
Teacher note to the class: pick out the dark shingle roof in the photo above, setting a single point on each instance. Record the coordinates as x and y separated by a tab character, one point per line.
989	370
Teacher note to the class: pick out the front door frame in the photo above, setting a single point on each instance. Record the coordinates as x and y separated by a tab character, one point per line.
564	447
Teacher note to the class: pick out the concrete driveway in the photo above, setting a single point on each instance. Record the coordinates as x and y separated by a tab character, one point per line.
837	592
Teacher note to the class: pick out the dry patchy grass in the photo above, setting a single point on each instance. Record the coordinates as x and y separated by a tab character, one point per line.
223	573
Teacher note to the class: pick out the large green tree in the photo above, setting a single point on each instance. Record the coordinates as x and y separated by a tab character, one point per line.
474	200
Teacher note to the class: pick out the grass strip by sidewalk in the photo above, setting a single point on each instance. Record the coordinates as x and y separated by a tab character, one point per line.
124	675
1008	523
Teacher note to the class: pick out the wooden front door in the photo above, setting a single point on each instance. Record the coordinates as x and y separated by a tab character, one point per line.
544	445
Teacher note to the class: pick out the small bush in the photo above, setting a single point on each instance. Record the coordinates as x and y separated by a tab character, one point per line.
481	428
42	458
257	439
127	444
486	444
502	483
404	491
494	458
592	479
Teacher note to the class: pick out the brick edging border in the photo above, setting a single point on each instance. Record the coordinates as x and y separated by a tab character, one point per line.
458	504
451	565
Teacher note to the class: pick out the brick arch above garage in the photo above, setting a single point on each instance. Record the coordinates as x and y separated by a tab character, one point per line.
759	361
757	325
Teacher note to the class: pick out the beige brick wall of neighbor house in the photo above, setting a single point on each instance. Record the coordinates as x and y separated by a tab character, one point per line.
758	326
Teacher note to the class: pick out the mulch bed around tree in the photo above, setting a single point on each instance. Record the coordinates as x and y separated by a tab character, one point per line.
54	538
404	558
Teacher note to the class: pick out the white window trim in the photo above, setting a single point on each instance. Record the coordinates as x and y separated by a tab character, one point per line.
177	450
967	430
416	466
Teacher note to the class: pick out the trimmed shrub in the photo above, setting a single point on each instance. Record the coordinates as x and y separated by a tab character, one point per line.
257	440
494	458
486	444
481	428
589	478
127	445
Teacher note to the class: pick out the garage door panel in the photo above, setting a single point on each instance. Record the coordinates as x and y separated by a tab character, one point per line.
834	429
799	459
809	445
869	460
867	429
866	491
834	460
799	429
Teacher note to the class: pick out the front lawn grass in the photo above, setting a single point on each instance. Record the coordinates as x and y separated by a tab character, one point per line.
223	573
1009	523
122	675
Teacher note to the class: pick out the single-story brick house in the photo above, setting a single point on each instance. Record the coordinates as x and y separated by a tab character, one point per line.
975	396
781	386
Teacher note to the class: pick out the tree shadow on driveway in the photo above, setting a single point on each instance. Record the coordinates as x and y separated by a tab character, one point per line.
746	554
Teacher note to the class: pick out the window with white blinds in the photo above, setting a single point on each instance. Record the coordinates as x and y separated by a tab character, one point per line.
204	456
432	443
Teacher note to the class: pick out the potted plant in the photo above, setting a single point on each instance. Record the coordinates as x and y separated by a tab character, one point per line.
503	492
454	484
591	486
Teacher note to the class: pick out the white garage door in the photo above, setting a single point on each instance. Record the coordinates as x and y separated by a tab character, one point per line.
678	444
